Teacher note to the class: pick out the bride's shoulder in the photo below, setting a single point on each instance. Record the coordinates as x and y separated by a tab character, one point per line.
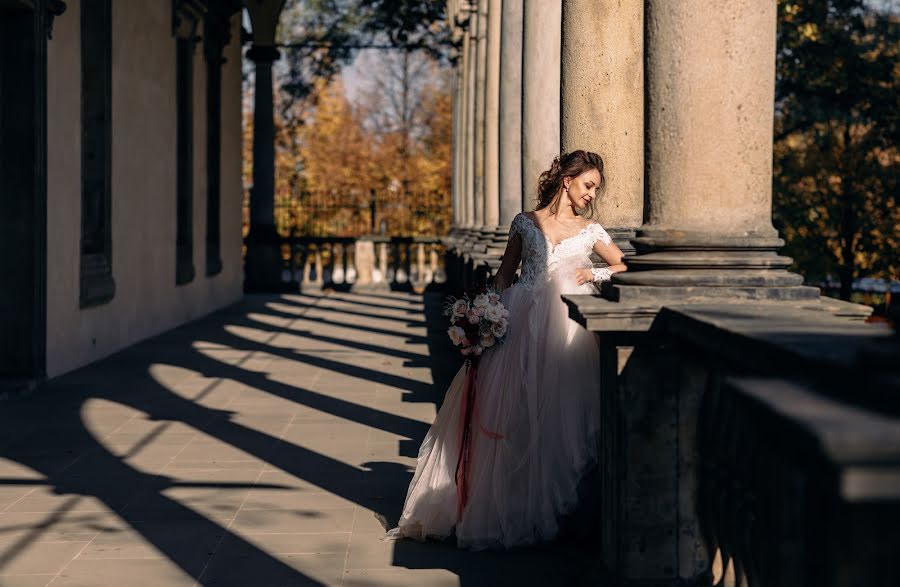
522	220
597	232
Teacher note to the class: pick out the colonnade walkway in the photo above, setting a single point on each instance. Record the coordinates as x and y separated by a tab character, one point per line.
266	445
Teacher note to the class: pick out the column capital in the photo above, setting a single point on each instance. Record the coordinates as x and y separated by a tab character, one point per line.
263	54
264	17
54	8
186	14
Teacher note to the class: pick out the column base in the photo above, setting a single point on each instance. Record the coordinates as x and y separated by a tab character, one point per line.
263	264
678	267
675	265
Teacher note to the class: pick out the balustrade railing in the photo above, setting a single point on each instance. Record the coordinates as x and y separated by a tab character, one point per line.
797	488
747	445
395	262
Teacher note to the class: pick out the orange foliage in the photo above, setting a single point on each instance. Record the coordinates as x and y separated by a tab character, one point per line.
328	163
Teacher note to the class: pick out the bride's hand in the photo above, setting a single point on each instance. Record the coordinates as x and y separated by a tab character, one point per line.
583	276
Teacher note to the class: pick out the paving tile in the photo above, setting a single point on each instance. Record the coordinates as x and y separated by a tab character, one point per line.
294	520
25	580
56	526
128	572
155	539
25	558
186	504
284	543
245	568
40	501
309	498
400	578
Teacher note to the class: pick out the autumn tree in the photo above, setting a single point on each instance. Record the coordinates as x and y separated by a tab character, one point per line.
331	153
407	111
337	167
836	153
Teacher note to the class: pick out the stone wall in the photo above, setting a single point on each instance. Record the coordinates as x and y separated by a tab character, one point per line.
147	300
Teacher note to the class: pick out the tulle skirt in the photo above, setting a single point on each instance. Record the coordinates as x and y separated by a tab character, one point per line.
534	431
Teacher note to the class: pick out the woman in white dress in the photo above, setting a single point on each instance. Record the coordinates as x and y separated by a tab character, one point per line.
536	411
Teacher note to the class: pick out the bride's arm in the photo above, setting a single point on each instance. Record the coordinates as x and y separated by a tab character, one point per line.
511	258
612	255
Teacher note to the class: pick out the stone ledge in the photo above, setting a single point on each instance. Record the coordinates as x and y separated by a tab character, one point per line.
863	445
599	314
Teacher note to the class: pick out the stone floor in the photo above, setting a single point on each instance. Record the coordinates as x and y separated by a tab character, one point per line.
263	446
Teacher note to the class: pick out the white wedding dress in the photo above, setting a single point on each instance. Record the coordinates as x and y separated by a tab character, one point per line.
536	413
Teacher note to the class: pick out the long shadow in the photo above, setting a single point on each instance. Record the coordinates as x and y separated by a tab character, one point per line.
413	338
385	296
362	346
161	404
362	373
118	479
359	300
220	556
361	314
344	342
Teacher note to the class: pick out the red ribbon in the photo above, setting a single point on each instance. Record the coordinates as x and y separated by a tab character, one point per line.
467	410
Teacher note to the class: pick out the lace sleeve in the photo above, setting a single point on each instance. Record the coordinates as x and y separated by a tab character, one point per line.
599	234
511	256
516	226
601	274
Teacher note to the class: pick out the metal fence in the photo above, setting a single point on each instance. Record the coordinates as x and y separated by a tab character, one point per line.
385	214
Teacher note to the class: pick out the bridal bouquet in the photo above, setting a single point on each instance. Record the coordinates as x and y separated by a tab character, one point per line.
477	322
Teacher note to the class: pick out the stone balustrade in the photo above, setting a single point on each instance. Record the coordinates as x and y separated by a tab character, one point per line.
753	444
415	263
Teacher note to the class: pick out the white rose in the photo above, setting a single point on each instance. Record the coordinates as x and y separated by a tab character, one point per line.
481	301
457	335
460	307
499	328
493	313
493	298
505	313
473	317
487	341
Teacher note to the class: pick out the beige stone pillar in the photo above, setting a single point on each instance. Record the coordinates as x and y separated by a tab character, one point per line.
455	143
602	99
470	126
492	118
364	260
510	133
479	29
710	103
542	31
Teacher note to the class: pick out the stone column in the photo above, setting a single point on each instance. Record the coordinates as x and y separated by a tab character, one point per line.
470	124
479	30
262	271
454	143
542	30
263	261
492	120
462	167
709	156
602	99
510	134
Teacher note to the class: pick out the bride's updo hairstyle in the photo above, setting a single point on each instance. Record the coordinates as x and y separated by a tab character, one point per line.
568	165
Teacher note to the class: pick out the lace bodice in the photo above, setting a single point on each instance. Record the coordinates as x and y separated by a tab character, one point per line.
540	258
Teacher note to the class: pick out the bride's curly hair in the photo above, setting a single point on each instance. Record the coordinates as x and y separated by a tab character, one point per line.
568	165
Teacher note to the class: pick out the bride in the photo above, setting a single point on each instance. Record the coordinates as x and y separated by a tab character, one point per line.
536	417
